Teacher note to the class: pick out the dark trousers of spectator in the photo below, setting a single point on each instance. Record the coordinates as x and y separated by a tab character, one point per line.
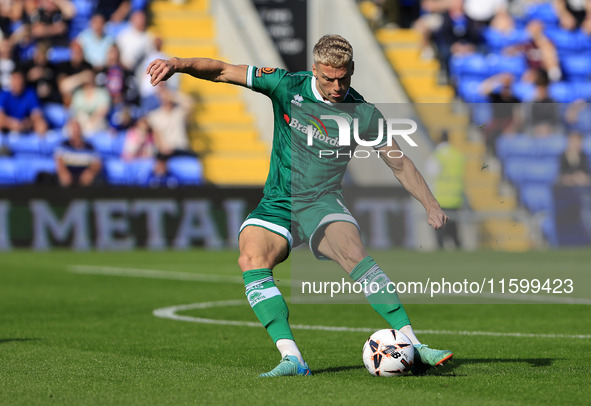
450	230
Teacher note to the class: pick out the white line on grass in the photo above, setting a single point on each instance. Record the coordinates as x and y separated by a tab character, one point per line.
154	274
171	313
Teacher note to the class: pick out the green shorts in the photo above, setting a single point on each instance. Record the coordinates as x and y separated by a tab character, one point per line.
300	221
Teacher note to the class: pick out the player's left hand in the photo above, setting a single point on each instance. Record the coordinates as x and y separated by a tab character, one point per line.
437	218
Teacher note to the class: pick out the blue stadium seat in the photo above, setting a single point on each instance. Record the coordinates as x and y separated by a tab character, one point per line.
116	172
544	12
104	144
497	40
576	67
566	42
537	197
52	140
519	146
587	145
582	90
562	92
7	172
516	65
466	67
25	144
29	168
515	168
469	91
56	115
542	171
139	171
59	54
524	91
552	146
187	169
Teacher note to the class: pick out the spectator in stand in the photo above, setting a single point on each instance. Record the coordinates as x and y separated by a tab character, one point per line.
70	74
20	109
506	117
115	11
122	87
149	99
574	165
577	116
160	175
24	44
77	163
544	115
96	42
540	53
430	22
134	41
11	15
90	105
169	122
572	13
446	168
7	64
50	21
458	35
139	141
42	75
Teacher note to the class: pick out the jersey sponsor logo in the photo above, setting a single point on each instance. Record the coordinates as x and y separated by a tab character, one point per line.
297	100
315	129
260	71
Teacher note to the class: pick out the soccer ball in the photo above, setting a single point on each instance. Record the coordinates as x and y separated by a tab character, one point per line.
388	352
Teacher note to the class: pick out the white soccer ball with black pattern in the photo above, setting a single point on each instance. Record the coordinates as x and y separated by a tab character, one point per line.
388	352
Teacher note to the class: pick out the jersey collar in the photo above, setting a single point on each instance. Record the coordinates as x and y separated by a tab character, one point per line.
319	96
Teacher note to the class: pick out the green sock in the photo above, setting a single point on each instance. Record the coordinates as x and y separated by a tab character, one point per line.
267	302
387	304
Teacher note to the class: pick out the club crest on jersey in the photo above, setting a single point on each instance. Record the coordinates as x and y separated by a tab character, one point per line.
260	71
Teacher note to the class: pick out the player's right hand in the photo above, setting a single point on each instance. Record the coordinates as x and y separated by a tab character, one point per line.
160	70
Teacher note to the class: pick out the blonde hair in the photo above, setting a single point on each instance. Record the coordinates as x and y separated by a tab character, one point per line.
334	51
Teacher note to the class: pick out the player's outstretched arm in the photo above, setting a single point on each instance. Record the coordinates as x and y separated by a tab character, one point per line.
412	180
201	68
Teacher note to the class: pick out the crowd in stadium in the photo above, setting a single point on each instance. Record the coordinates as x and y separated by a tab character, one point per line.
524	68
76	106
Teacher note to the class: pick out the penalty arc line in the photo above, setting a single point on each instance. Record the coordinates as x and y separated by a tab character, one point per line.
171	313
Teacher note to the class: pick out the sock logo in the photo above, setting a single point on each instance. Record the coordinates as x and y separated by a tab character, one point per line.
257	296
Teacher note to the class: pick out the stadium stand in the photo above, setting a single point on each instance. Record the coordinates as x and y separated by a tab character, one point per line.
222	132
26	156
528	161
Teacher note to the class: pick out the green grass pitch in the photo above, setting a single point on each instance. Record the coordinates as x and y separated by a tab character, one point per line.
79	329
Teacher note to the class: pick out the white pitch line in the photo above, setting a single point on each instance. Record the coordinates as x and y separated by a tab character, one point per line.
171	313
154	274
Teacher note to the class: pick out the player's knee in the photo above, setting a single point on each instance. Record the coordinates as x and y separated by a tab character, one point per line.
248	261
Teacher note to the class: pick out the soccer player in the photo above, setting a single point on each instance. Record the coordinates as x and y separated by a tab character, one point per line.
267	235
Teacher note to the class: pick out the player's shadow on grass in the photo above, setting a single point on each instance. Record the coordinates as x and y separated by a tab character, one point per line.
337	369
11	340
534	362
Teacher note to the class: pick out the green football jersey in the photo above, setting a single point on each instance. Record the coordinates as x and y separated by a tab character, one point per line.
307	159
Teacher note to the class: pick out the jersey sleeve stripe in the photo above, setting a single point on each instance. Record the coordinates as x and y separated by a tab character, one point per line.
249	76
